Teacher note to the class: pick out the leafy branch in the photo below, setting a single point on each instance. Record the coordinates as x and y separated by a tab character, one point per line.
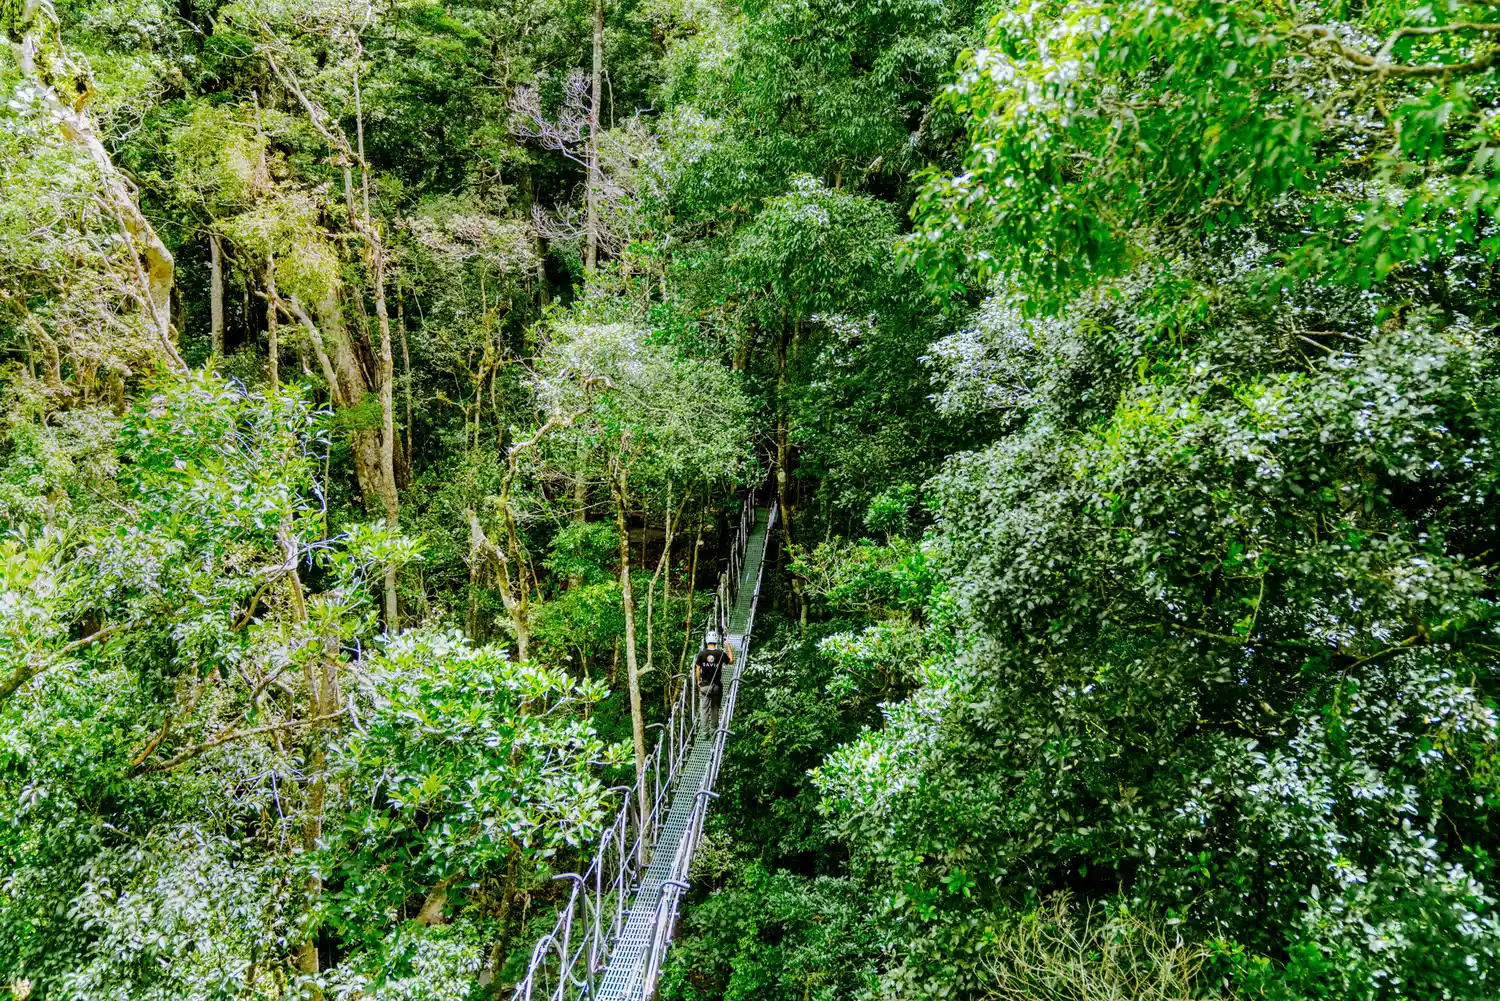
232	735
1381	64
33	668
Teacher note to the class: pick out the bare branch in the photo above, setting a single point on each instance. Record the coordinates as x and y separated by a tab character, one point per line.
224	738
33	669
166	727
567	135
294	309
1380	64
327	128
561	225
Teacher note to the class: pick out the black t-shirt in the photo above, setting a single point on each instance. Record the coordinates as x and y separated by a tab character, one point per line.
710	663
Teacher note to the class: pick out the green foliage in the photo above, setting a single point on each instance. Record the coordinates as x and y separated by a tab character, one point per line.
646	407
794	714
808	249
55	467
584	550
64	298
1105	135
1169	668
866	580
216	158
582	625
1214	630
285	229
467	763
890	511
124	876
362	416
1179	626
773	936
837	90
159	771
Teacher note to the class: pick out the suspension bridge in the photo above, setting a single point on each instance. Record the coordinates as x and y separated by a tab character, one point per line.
616	927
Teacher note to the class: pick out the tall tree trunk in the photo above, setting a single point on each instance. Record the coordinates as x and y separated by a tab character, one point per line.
687	621
37	45
743	347
51	357
381	481
592	253
353	389
323	699
580	502
663	573
485	554
783	427
376	250
500	952
406	366
581	487
473	620
619	487
388	433
312	830
315	336
273	346
216	293
784	459
352	385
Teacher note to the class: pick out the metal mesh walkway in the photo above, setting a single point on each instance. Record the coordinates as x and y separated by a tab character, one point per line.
611	936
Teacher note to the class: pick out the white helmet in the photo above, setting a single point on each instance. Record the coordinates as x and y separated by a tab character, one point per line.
711	636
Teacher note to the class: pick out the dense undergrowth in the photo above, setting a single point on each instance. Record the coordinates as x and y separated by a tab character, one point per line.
378	391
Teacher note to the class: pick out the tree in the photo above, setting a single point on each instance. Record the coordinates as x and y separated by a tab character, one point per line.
64	84
472	767
809	251
219	165
655	415
207	642
1178	608
512	563
596	102
368	229
1216	137
216	681
215	783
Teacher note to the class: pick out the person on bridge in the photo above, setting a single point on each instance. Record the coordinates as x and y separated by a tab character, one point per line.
708	667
